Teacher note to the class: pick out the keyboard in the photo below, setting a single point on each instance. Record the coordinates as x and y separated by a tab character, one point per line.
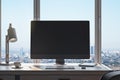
59	67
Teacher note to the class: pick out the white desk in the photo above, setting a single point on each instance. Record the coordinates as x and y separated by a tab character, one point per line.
30	72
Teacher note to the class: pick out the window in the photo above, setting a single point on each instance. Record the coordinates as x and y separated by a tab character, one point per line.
110	33
20	17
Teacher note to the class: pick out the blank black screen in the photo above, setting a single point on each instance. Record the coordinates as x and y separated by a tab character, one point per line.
60	39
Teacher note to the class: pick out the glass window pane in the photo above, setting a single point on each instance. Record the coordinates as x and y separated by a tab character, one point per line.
19	13
70	10
110	33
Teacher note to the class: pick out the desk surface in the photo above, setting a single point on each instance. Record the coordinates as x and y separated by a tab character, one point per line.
42	67
30	69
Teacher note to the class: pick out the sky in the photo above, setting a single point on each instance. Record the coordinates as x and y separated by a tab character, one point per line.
20	17
110	24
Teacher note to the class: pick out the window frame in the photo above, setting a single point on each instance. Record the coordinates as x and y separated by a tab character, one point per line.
97	26
98	32
0	31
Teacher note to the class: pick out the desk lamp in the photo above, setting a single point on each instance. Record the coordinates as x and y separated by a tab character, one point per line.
10	37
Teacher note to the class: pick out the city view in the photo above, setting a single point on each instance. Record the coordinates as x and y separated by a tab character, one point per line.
110	58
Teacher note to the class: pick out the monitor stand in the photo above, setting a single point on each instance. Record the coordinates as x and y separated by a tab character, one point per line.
60	64
60	61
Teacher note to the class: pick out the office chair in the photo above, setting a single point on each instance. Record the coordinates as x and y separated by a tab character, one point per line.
115	75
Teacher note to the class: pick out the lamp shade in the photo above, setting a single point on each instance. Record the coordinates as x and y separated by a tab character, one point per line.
12	34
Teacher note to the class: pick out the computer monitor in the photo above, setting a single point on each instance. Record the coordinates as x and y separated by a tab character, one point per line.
60	40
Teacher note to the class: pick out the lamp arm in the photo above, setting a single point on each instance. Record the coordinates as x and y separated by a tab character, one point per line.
7	49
